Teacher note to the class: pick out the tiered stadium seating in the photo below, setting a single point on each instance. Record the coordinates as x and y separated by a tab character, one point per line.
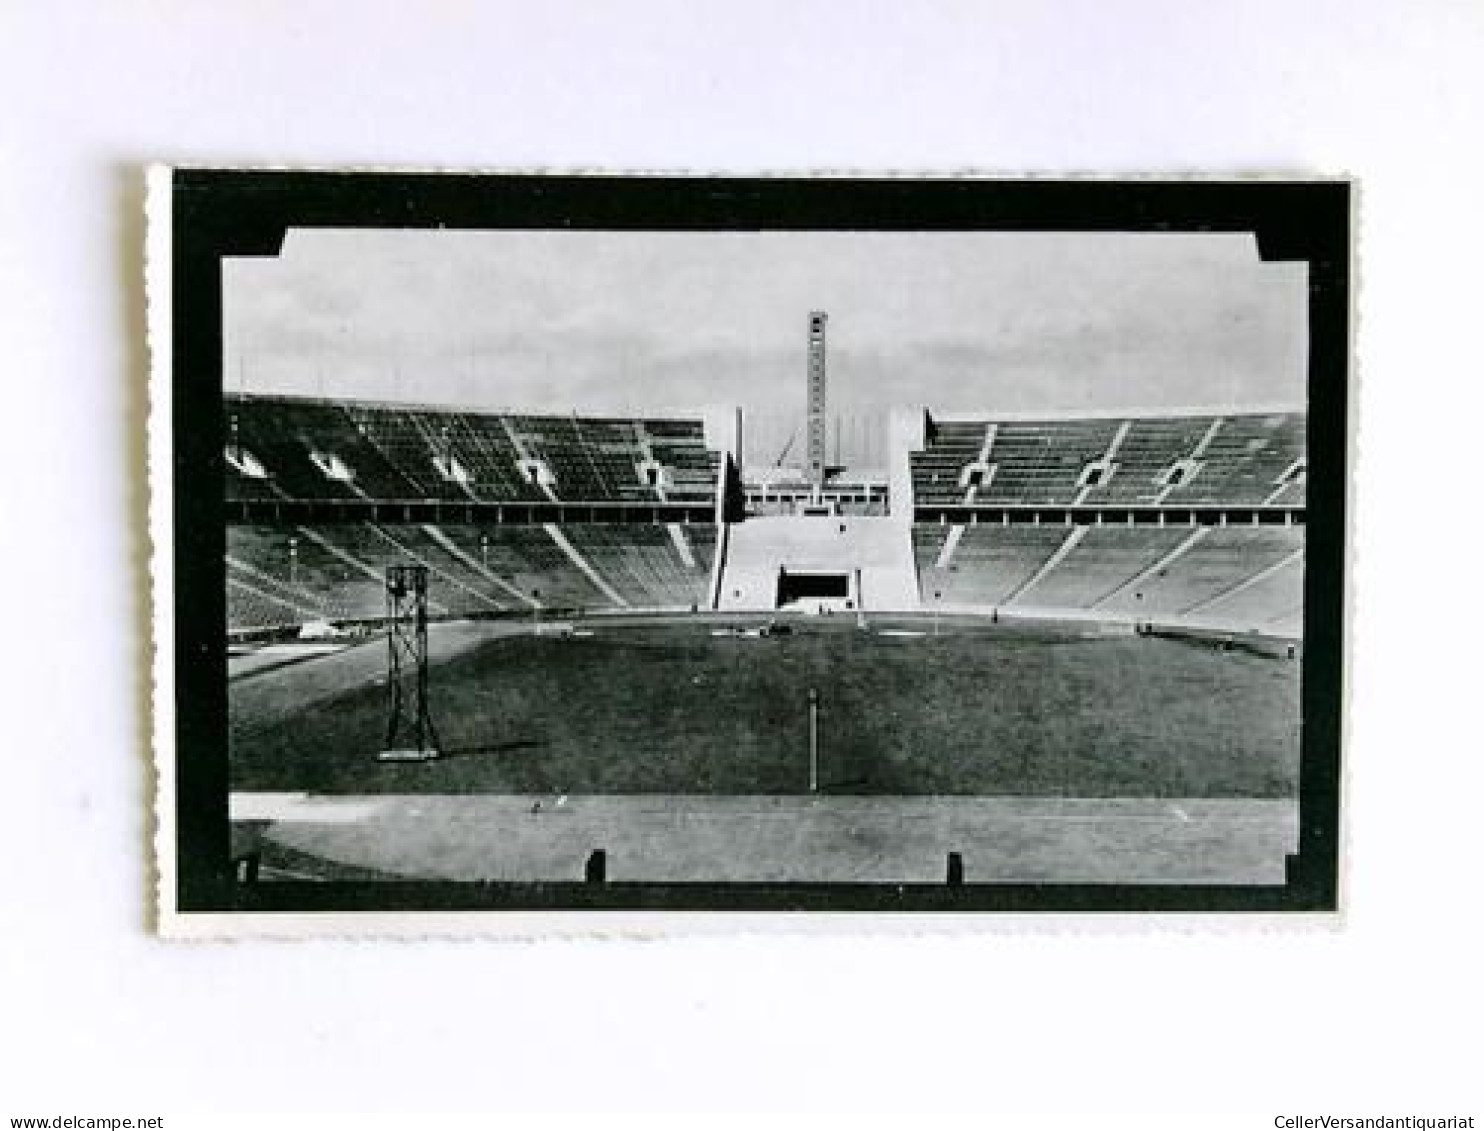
1149	449
1273	598
1221	559
681	446
482	445
643	564
394	454
294	566
558	441
528	560
250	609
410	442
1240	576
459	587
1041	462
283	436
1292	494
1104	558
242	486
926	542
1245	460
614	449
283	577
334	571
1242	462
937	471
990	563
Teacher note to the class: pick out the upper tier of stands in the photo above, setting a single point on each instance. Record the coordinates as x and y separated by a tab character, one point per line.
1237	459
291	448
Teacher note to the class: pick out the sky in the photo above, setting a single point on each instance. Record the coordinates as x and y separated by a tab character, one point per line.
625	322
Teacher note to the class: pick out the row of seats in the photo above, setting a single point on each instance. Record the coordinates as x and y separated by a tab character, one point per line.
290	448
1246	460
1246	576
645	564
284	576
1241	459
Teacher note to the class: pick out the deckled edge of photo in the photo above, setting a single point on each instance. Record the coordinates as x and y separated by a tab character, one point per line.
647	926
160	483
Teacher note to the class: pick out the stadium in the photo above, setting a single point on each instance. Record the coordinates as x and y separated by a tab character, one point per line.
725	646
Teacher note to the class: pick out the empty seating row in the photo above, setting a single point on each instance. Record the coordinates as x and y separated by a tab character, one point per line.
279	577
938	472
300	569
1247	459
1149	457
308	449
291	448
988	565
1244	576
645	564
1240	459
1043	462
1098	563
1214	563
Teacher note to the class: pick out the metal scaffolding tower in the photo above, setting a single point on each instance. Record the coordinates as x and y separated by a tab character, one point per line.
410	734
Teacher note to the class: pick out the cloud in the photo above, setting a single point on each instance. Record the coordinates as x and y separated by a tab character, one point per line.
612	321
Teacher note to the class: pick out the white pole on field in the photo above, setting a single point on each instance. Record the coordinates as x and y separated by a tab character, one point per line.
813	740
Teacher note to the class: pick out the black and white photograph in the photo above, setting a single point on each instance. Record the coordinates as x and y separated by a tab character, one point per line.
624	542
796	560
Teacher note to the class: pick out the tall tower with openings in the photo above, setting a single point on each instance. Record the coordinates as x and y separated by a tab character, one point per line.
816	400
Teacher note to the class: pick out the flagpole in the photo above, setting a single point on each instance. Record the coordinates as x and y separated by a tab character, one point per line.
813	740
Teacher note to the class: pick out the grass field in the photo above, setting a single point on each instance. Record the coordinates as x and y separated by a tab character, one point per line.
667	708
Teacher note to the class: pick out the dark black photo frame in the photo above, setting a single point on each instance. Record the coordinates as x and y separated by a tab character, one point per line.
218	213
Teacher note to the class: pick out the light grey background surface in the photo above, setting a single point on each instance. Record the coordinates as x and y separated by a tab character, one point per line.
1376	1017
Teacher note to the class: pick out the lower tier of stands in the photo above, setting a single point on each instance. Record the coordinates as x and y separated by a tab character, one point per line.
1240	576
988	566
1244	577
279	577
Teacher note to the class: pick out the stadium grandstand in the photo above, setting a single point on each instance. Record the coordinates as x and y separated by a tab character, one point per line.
1175	518
307	450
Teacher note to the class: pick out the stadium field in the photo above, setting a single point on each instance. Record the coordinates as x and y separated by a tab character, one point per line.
654	706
